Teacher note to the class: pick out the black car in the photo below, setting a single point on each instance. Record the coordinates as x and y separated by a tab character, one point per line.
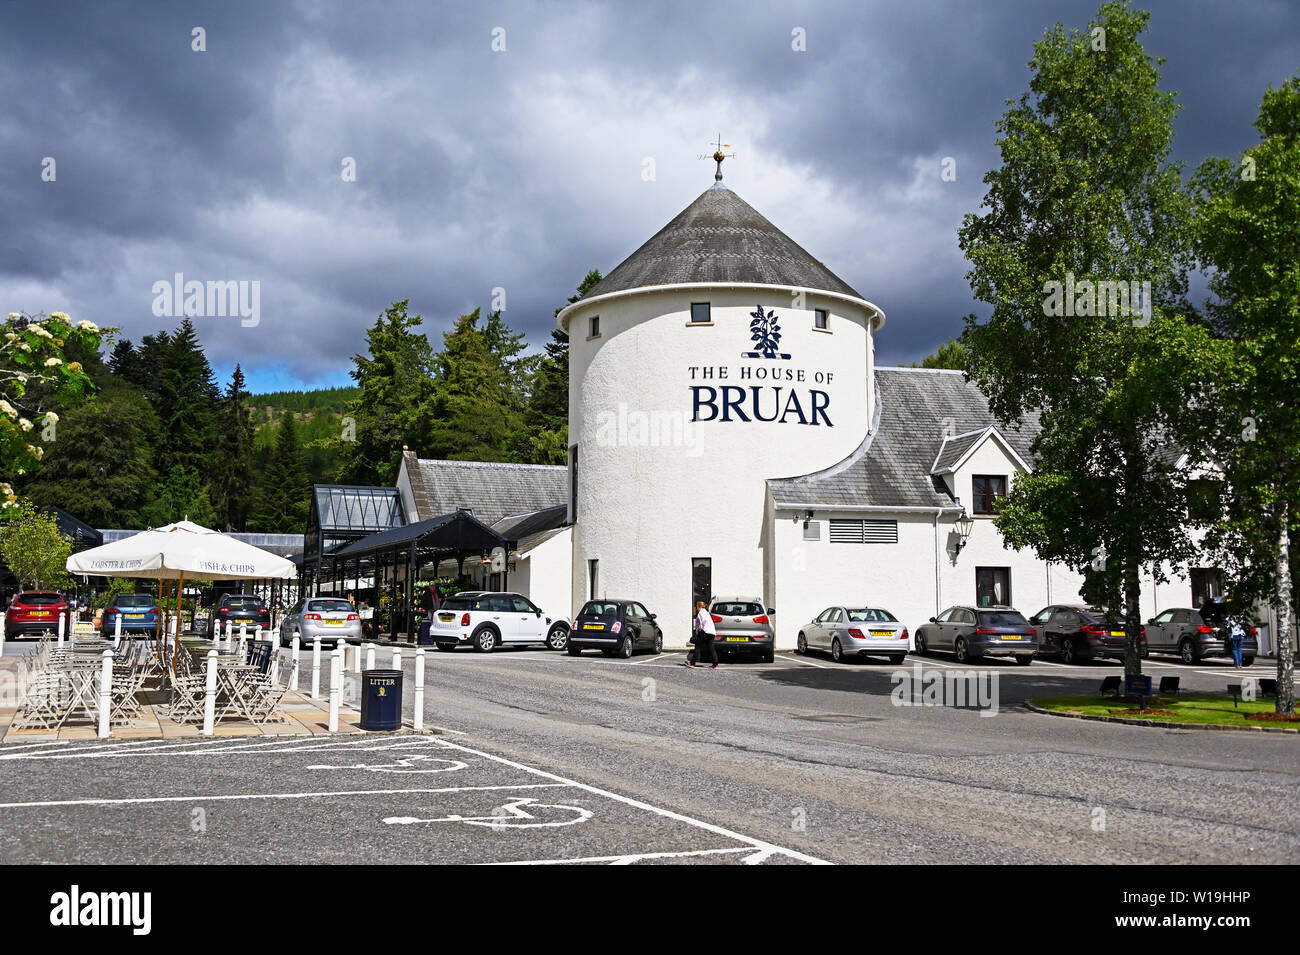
1075	633
240	609
975	632
615	627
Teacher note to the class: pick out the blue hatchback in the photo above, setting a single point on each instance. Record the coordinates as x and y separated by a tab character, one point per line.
138	612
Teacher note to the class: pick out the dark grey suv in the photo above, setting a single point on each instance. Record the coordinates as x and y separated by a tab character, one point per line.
974	632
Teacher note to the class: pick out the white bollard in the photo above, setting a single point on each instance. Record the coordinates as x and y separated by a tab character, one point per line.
336	687
117	629
315	668
2	634
356	658
60	633
419	690
210	696
370	656
63	626
257	634
230	629
293	677
397	659
230	641
105	693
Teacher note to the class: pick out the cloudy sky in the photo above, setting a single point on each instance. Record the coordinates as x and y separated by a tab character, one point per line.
522	168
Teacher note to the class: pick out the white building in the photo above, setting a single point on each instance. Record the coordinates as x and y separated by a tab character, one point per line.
730	433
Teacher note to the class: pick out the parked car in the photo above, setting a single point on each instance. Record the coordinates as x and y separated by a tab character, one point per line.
861	631
486	620
34	612
328	618
1218	614
138	613
974	632
240	609
743	626
615	627
1077	633
1186	632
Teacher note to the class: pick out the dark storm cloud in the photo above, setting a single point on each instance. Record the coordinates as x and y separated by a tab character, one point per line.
523	169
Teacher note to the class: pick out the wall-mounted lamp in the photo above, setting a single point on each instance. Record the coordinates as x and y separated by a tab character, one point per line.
807	515
963	526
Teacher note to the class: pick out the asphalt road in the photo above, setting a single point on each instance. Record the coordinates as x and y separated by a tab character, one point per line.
543	757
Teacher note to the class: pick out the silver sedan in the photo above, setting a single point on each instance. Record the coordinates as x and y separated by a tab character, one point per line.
856	631
330	619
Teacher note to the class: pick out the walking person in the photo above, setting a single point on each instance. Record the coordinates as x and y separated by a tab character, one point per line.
704	634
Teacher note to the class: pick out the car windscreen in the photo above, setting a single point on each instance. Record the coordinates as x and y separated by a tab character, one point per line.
39	599
1002	618
599	608
871	615
134	600
1104	617
329	606
244	603
455	603
737	609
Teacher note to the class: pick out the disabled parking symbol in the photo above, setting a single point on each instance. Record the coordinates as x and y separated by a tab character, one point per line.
407	764
516	814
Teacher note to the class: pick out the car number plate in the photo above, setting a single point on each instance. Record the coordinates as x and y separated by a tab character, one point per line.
593	626
1010	636
737	639
333	623
40	613
134	616
882	633
446	617
1117	633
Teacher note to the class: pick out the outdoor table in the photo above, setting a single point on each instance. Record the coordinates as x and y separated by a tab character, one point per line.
231	678
79	677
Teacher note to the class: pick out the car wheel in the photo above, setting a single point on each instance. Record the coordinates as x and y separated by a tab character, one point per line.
959	650
802	647
1068	652
1024	659
769	656
921	650
485	639
896	658
574	651
625	648
445	647
1187	651
659	642
558	638
1247	661
837	651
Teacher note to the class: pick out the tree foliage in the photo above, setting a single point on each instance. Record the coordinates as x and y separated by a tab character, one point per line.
33	547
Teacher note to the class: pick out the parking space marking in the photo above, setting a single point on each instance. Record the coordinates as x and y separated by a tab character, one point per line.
236	797
515	814
640	856
215	747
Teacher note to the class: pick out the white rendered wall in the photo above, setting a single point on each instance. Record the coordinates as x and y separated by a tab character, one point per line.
656	489
550	580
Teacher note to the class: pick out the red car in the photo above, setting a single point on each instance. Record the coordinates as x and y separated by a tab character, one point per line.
34	612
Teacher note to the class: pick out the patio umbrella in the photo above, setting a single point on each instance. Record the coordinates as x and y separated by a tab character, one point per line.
172	551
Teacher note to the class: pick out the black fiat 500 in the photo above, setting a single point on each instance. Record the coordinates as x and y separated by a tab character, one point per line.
615	627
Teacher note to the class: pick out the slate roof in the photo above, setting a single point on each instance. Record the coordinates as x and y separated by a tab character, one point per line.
490	490
521	527
891	468
952	449
720	238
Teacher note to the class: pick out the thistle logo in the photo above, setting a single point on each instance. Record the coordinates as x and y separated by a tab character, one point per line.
765	333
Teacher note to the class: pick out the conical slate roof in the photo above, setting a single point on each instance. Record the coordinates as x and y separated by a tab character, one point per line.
720	238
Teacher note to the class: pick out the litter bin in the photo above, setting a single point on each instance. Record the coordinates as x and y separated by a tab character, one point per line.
424	639
381	700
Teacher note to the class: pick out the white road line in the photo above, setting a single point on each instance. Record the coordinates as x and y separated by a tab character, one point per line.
809	663
229	797
627	859
638	804
293	744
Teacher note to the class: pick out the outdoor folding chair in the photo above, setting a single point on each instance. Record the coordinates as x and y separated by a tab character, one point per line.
122	696
42	701
266	694
187	695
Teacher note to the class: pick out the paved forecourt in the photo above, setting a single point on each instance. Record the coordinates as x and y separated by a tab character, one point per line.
375	799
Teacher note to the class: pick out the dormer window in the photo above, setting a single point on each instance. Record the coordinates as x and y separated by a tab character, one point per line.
987	488
701	313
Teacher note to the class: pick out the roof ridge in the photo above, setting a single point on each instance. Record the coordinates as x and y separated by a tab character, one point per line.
932	371
491	464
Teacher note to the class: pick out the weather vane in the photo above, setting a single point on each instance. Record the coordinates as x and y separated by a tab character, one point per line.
718	155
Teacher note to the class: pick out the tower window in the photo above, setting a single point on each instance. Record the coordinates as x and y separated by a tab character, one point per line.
821	319
594	327
701	314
